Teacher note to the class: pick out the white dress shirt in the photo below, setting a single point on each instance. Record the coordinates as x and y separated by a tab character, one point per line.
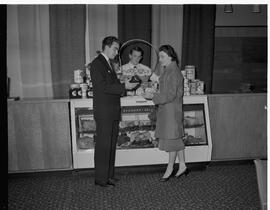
131	69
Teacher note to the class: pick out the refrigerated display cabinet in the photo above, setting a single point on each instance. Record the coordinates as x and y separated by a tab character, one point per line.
136	142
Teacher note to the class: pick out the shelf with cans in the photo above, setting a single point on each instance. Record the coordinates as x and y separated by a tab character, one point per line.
82	86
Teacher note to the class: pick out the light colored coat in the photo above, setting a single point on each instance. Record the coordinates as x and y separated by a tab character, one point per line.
169	124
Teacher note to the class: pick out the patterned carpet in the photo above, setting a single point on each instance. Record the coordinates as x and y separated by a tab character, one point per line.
220	186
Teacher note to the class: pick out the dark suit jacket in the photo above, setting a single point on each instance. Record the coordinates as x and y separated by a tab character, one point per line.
107	90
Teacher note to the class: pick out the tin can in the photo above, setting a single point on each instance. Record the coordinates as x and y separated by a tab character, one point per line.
89	93
184	73
200	87
78	78
73	91
84	88
186	93
190	72
193	88
186	83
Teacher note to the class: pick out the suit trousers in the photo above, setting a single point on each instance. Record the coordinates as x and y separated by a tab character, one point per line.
105	148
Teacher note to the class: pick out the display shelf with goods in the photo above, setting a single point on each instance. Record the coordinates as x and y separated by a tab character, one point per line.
136	142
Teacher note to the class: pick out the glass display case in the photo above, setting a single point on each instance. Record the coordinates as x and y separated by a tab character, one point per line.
136	130
136	143
194	125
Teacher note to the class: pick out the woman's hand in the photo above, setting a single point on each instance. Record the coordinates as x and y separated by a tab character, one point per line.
154	78
148	95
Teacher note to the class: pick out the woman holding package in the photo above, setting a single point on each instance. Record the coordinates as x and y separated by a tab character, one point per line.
169	124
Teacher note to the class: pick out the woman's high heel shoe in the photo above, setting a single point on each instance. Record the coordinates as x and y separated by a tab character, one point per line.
184	172
165	179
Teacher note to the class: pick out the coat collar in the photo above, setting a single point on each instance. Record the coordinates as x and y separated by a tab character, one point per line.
103	59
172	65
168	68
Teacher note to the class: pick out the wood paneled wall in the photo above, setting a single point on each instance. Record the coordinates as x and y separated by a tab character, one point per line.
238	126
38	136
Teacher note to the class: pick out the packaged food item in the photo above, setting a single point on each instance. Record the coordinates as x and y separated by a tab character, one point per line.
184	73
78	76
193	88
74	91
149	90
200	87
89	93
84	87
190	72
85	142
139	91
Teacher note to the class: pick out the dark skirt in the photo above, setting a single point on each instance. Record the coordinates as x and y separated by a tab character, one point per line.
171	145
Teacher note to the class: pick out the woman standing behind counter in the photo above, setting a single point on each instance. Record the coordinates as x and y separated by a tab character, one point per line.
169	124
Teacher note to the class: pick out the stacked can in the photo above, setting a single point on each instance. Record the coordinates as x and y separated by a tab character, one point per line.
186	87
78	76
190	72
192	86
200	87
81	88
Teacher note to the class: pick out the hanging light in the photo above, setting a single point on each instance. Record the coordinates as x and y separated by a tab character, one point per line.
256	8
228	8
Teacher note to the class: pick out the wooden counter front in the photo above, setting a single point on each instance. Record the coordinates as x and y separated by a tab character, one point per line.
239	126
39	131
38	135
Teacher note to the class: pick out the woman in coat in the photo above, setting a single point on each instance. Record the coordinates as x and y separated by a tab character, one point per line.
169	124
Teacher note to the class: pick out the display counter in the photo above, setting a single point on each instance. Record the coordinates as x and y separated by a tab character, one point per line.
136	143
39	136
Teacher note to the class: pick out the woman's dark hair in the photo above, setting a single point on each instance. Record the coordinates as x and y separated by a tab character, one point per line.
168	49
108	41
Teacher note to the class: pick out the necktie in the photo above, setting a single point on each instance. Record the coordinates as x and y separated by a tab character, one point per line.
110	64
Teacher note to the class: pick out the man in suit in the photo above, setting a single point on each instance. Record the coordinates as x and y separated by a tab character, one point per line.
107	91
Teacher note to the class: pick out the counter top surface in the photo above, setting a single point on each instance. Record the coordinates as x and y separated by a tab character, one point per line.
128	98
39	100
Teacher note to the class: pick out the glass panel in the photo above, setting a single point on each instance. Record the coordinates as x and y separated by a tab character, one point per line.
137	127
136	130
85	128
194	125
240	60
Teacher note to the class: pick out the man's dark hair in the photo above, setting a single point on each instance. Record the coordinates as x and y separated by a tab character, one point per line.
108	41
136	48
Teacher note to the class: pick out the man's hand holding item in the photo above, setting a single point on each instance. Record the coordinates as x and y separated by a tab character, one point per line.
129	85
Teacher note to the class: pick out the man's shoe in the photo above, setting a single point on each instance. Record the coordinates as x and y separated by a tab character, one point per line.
110	183
101	184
